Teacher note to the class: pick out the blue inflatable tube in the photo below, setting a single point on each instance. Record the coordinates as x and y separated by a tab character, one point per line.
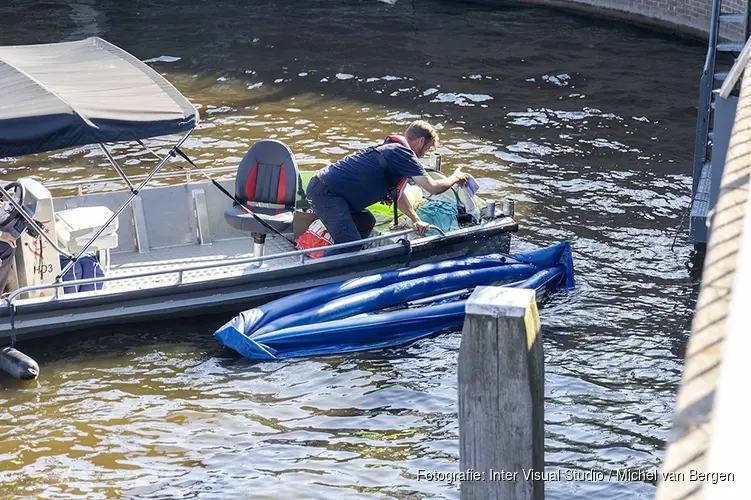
343	335
373	331
400	292
546	279
349	316
301	301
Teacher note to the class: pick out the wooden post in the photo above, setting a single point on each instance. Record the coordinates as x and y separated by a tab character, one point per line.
501	396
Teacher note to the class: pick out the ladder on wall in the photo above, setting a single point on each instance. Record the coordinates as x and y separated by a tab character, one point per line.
728	32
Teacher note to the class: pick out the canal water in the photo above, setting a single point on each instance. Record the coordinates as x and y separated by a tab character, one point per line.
587	124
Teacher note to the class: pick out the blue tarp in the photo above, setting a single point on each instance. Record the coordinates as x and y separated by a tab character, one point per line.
439	213
375	311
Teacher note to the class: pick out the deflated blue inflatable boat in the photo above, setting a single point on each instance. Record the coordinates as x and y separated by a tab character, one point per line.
390	308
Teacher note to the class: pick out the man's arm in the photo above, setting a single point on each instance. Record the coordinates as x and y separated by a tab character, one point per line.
434	186
8	238
406	207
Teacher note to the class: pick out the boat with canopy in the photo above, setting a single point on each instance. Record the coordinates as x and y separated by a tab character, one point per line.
105	251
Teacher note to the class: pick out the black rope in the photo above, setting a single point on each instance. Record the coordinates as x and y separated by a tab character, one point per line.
406	243
12	310
396	214
680	224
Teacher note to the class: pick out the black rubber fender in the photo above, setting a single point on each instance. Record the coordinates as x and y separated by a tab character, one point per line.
18	364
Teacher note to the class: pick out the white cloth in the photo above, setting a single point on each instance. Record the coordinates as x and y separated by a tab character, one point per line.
469	194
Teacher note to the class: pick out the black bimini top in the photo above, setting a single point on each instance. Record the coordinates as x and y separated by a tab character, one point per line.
61	95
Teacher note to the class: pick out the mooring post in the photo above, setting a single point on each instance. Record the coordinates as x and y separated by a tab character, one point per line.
501	396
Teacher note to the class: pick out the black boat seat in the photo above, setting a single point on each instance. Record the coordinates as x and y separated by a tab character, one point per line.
266	184
241	220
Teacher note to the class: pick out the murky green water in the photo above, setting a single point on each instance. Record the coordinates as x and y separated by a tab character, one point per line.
587	124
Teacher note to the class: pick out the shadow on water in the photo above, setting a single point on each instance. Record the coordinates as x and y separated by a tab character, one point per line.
122	340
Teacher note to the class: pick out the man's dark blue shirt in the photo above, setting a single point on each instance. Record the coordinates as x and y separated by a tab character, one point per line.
359	178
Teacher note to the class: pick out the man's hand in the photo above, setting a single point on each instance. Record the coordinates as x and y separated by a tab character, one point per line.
8	238
421	227
438	186
460	177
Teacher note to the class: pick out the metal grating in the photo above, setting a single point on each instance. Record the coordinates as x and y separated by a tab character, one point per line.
700	208
166	259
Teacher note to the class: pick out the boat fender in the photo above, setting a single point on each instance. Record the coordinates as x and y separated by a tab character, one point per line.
18	364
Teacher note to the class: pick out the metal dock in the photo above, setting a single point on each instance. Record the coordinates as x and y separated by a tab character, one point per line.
729	28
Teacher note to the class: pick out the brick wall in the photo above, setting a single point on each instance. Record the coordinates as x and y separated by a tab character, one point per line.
687	16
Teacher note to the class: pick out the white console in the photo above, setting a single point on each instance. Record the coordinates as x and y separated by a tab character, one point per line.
37	262
75	227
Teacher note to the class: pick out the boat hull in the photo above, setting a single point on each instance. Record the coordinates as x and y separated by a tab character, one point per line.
234	294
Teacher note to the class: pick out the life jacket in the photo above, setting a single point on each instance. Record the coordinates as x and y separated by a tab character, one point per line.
395	190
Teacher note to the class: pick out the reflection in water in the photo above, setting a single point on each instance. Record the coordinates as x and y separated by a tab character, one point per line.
587	124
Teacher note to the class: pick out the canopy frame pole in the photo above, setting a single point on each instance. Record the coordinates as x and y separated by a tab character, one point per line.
31	221
116	166
120	210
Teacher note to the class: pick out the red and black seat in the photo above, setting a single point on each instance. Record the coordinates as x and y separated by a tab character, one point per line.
266	183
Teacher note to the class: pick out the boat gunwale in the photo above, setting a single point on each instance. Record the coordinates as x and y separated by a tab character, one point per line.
197	267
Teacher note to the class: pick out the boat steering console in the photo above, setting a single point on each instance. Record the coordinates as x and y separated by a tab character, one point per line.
11	219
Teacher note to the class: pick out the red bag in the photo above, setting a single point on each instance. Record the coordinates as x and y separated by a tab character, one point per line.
316	236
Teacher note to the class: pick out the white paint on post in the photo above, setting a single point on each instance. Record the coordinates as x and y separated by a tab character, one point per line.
501	379
500	301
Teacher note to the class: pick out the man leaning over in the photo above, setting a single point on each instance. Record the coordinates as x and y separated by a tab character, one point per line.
340	193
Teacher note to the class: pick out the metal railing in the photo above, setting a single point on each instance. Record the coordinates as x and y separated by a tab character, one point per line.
185	172
435	160
225	263
735	72
133	194
705	97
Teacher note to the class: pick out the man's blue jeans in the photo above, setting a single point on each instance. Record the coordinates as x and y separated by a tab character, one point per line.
343	224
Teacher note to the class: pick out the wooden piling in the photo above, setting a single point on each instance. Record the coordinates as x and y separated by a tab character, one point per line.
501	396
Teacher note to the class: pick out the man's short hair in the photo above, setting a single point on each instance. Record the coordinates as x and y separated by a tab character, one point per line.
419	129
